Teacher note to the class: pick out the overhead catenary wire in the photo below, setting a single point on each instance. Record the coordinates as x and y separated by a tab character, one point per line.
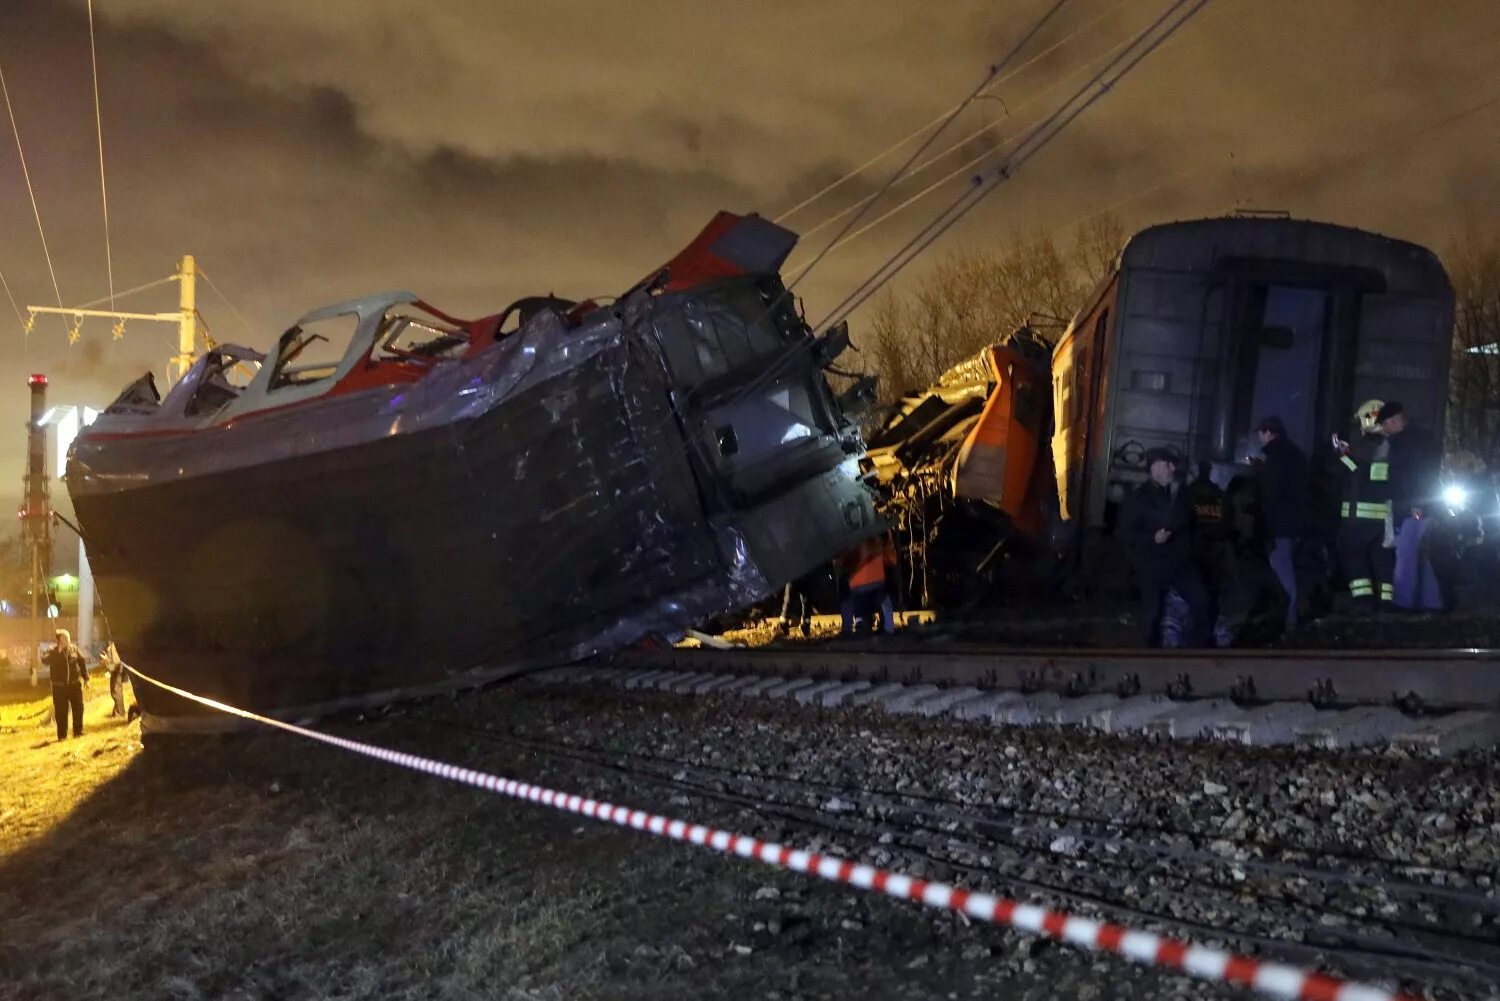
963	168
249	328
1350	158
13	304
773	370
1033	140
989	78
1036	139
843	179
26	173
109	258
128	292
777	368
1162	181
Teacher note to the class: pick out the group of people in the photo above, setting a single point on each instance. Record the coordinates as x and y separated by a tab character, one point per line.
69	672
1386	476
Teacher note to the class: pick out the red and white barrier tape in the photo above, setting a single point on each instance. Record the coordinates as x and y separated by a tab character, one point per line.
1272	979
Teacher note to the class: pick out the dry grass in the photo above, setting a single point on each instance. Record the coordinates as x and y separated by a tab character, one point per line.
238	873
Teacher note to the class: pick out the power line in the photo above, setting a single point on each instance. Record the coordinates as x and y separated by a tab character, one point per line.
128	292
109	259
983	185
966	165
842	180
1146	41
1350	159
26	172
989	79
249	329
13	305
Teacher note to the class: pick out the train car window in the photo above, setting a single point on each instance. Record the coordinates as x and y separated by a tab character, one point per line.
1079	391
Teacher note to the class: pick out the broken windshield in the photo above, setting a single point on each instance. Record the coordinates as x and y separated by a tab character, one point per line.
406	333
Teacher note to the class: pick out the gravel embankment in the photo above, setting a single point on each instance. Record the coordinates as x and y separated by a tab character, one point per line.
1374	859
271	867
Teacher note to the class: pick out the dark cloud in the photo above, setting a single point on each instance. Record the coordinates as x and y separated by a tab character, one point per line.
475	151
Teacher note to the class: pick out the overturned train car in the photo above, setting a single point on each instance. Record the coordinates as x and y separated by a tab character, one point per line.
438	497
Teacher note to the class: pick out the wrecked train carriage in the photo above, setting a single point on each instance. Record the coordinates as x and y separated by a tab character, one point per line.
436	498
1199	329
1203	327
962	470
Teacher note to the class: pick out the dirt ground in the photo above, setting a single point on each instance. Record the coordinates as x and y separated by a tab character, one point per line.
268	867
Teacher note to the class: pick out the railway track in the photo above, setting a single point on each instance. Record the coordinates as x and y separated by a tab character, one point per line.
1437	702
1370	915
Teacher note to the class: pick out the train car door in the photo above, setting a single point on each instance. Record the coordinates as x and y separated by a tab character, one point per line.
1285	331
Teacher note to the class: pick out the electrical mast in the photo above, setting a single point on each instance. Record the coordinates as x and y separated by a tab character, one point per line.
186	318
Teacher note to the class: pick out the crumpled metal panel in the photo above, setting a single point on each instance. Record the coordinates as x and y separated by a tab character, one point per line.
550	497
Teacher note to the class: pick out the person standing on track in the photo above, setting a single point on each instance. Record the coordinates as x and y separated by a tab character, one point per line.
1416	463
1283	497
1363	469
70	672
1157	527
1210	509
868	563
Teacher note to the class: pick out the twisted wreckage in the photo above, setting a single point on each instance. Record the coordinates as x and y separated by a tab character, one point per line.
440	499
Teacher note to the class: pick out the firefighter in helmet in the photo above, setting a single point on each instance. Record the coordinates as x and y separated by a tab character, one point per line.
1363	467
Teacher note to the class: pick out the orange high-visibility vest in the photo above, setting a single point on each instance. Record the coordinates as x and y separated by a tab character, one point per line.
870	562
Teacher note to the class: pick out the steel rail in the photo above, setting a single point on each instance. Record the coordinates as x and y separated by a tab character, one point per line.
1432	679
922	836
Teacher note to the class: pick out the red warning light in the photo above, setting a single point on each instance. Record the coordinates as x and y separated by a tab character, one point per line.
37	379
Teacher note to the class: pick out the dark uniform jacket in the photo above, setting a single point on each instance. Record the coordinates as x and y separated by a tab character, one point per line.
1283	489
1210	509
1151	508
1416	464
1364	478
67	666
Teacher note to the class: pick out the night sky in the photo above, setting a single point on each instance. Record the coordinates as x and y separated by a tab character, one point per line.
474	151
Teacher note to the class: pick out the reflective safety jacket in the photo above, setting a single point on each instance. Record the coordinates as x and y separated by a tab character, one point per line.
1366	472
868	561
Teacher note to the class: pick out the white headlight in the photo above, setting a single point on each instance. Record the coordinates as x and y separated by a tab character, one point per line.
1456	497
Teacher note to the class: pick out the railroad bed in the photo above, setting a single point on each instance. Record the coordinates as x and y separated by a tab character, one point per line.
1434	702
1369	865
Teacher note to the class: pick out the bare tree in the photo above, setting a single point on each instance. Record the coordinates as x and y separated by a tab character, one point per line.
972	297
1473	263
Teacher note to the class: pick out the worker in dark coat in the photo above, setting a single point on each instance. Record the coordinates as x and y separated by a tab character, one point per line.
70	673
1362	468
1282	490
1156	525
1416	466
1211	531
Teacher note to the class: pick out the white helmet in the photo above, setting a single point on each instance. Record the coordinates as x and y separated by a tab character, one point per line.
1368	416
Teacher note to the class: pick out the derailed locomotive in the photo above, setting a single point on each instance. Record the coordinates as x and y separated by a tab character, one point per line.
434	499
1200	328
